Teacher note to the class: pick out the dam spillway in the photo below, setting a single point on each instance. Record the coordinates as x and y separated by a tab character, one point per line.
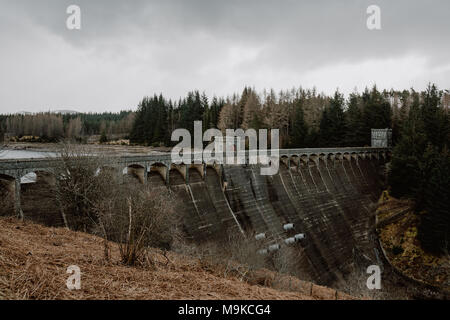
328	197
330	201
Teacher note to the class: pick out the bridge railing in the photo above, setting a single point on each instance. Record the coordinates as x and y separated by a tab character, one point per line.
166	158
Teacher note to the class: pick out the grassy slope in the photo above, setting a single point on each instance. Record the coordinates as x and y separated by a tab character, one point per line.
34	260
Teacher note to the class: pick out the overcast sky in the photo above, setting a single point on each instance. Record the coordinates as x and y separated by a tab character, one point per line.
128	49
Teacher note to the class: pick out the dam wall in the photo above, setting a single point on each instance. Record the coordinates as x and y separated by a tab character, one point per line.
330	201
325	201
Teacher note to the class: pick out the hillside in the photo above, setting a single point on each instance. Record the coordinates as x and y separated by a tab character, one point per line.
397	226
34	260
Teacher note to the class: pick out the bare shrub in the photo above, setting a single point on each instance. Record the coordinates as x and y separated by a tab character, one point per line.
94	199
138	217
286	261
236	256
79	185
242	255
355	284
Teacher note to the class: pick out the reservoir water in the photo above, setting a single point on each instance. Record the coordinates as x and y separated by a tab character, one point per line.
8	154
24	154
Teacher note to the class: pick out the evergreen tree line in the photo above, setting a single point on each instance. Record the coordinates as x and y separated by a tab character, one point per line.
157	117
420	166
304	117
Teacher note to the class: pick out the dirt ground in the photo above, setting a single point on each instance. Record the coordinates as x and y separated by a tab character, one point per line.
34	261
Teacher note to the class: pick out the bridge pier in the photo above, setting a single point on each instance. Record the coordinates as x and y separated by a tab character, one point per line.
168	175
17	198
145	178
120	174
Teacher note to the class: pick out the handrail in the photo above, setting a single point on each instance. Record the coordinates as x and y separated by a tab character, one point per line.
11	164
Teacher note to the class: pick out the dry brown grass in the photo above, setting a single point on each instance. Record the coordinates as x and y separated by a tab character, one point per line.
34	260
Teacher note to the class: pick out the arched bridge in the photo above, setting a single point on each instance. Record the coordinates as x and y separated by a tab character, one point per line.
140	166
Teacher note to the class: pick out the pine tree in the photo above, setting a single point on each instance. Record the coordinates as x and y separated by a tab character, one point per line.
354	136
405	176
299	128
332	125
435	120
434	229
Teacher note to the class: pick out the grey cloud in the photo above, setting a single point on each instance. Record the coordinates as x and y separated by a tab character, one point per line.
180	40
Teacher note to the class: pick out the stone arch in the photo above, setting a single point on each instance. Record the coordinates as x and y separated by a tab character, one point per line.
324	159
6	177
313	158
285	160
177	174
160	169
304	158
137	171
216	166
294	160
346	156
195	172
7	184
7	194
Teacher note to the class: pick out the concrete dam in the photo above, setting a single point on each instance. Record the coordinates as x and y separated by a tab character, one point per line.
320	204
